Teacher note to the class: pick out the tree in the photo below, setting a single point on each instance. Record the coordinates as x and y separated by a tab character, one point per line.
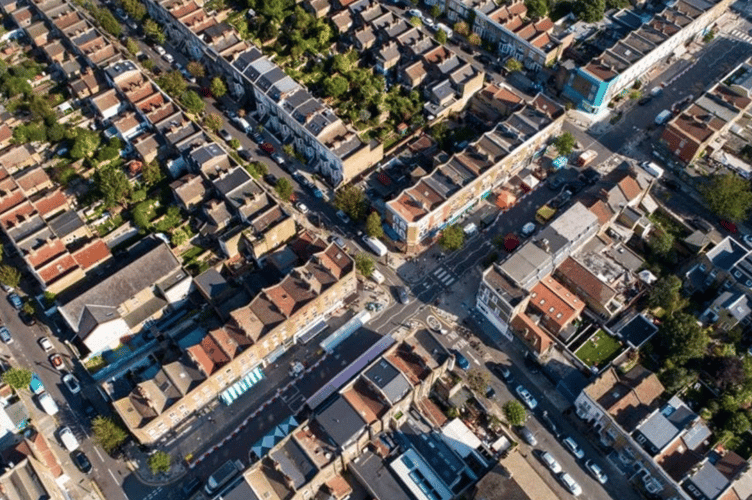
148	64
17	378
666	294
683	339
234	143
591	11
108	434
159	462
565	143
351	200
113	184
193	102
729	196
213	121
441	36
284	188
676	378
415	21
179	237
514	412
10	276
373	225
473	39
111	151
151	173
153	32
173	83
737	423
364	264
727	371
478	380
135	9
335	86
435	11
513	64
55	132
132	46
536	8
452	238
617	4
196	69
218	87
28	308
85	143
107	21
461	28
257	169
661	243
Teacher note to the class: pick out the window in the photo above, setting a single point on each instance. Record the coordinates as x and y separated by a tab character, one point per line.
550	309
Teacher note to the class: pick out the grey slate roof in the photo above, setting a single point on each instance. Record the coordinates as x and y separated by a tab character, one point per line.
294	463
373	473
341	422
708	481
726	253
65	223
386	377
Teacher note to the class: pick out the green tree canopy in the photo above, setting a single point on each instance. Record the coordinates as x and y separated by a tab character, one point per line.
478	380
729	196
108	434
284	188
151	173
132	46
213	122
85	143
536	8
565	143
666	294
351	200
591	11
515	412
160	462
173	83
113	184
682	338
17	378
373	225
737	423
111	151
416	21
335	86
218	87
452	238
107	21
154	32
10	276
179	237
193	102
196	69
435	11
364	264
473	39
661	243
461	28
441	36
135	9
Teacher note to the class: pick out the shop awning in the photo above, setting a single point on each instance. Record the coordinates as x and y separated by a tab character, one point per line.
266	443
241	386
560	162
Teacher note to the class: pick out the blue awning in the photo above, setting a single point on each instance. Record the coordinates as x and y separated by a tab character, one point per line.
560	162
241	386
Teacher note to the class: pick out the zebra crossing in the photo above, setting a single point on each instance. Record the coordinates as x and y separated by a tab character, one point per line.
444	276
740	35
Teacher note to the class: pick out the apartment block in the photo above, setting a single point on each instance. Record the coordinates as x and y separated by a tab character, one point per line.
435	201
647	41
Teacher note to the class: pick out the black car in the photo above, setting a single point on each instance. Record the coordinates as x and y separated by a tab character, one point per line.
245	154
27	318
645	100
555	182
89	409
532	365
671	184
574	187
270	179
157	71
81	461
257	137
191	487
590	176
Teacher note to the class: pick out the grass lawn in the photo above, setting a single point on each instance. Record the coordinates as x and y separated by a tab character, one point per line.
599	352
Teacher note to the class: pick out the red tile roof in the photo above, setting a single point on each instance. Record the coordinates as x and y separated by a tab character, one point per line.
57	268
536	338
554	301
92	254
44	454
51	202
208	355
38	257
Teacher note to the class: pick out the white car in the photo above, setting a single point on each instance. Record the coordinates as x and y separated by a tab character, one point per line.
343	216
430	23
550	462
526	397
572	445
415	13
68	439
302	207
159	50
570	484
45	343
71	383
595	471
168	58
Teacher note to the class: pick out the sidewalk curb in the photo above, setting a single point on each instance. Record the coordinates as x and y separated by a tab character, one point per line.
148	482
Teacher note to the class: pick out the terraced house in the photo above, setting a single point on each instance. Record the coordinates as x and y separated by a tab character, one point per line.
419	212
285	107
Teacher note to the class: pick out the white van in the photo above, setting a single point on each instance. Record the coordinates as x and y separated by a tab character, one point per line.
68	439
378	247
446	29
652	169
242	124
663	117
377	276
47	403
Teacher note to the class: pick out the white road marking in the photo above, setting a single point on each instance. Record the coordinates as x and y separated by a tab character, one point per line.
439	273
113	477
449	280
98	454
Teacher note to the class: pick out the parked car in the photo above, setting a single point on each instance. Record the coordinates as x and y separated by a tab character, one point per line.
27	318
590	176
403	295
645	100
595	471
278	159
15	301
526	397
415	13
191	487
5	335
267	148
549	422
671	184
71	382
490	392
302	207
550	462
430	23
502	371
527	435
45	343
318	193
245	154
271	179
555	182
343	216
225	135
528	229
160	50
572	446
461	360
257	138
57	362
68	439
570	484
168	58
81	461
89	409
725	224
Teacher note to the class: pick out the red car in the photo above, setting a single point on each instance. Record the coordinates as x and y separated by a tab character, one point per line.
511	242
729	226
268	148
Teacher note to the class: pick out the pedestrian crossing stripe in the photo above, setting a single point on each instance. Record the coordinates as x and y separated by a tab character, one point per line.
742	36
439	273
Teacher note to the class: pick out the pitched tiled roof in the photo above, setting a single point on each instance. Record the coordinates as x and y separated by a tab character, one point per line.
536	338
51	203
92	254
